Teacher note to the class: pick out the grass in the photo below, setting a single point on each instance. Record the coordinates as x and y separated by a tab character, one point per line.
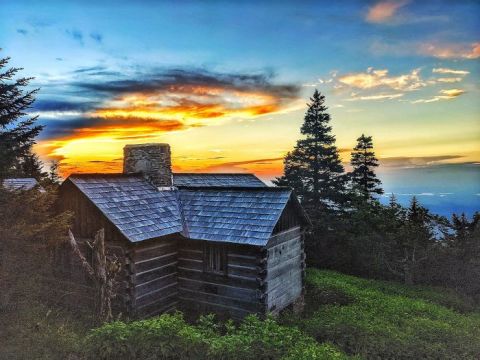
35	331
385	320
345	317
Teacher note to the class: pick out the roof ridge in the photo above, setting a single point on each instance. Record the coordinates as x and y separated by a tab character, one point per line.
103	174
250	188
204	174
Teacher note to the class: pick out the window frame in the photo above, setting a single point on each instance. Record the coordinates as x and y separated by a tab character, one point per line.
215	258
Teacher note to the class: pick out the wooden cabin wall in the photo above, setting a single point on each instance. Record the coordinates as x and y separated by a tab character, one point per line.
87	220
152	282
233	295
285	269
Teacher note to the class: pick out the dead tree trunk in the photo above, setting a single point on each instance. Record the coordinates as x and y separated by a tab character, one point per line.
102	272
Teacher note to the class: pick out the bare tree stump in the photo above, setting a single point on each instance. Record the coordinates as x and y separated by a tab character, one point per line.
102	271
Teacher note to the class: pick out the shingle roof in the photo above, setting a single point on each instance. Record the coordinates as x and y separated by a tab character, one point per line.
224	180
21	184
237	215
134	206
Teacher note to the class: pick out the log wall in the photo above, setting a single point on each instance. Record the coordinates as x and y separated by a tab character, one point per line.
152	277
234	294
285	268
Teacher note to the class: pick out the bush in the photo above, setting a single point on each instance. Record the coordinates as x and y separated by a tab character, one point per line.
388	320
170	337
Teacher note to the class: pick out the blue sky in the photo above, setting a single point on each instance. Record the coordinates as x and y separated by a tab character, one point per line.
225	83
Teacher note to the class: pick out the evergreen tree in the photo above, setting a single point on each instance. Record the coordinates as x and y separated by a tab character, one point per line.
17	130
53	176
28	165
313	169
413	240
465	239
363	160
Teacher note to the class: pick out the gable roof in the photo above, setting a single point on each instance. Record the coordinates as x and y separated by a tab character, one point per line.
235	214
223	180
239	215
21	184
135	207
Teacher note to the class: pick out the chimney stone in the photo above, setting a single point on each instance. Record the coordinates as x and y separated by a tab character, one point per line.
151	160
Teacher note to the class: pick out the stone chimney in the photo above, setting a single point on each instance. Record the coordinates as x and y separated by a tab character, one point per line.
151	160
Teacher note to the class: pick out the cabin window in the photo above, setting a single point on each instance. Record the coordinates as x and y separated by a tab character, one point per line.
215	259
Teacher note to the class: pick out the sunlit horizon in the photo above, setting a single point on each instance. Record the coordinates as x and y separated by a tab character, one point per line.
229	93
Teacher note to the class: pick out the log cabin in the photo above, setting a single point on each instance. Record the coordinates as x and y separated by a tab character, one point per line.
200	243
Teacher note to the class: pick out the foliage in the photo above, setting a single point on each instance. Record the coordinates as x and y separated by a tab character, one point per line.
170	337
384	320
313	169
35	331
29	228
364	162
17	130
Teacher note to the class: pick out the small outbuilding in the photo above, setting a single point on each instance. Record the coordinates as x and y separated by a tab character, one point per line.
222	243
22	184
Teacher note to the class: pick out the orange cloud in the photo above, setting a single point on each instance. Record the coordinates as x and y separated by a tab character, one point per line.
384	11
270	167
451	51
191	103
146	112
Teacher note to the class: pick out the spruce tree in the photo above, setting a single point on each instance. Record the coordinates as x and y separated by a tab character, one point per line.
313	169
17	129
363	161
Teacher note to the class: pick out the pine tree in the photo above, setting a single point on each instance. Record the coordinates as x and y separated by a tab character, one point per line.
53	176
466	238
413	240
313	169
363	160
28	165
17	130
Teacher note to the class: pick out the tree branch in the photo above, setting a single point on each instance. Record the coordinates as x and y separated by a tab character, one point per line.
76	251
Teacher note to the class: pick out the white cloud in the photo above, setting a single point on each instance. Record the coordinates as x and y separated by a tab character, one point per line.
373	78
355	97
450	71
444	95
449	80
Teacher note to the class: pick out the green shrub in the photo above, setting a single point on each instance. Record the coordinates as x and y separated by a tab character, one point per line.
163	337
170	337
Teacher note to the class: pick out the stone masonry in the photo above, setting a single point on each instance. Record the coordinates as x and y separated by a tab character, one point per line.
152	160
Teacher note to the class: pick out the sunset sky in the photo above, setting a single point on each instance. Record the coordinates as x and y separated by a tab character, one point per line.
225	84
